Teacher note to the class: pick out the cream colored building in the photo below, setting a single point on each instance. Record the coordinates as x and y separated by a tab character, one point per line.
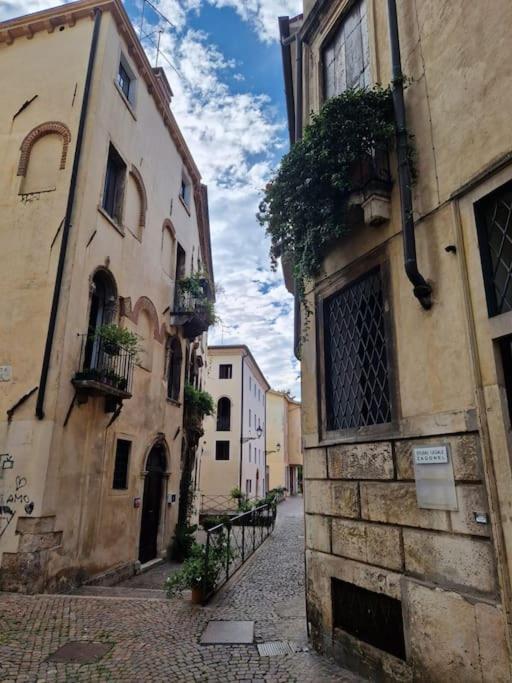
408	492
233	446
101	211
284	446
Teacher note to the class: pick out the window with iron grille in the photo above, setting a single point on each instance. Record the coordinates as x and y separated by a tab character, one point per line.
123	448
494	224
356	365
346	56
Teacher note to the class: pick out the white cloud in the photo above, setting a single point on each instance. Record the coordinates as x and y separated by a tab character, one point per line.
262	14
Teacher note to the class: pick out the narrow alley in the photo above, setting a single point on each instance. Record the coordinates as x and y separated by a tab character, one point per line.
149	638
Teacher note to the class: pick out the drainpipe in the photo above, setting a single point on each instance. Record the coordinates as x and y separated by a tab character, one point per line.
67	220
241	425
298	76
422	290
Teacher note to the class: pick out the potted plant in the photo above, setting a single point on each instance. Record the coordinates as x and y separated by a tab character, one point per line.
200	570
114	338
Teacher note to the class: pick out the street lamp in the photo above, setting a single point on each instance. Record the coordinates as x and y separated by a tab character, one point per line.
277	449
259	432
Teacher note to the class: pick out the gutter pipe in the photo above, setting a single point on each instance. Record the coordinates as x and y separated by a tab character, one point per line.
67	219
422	290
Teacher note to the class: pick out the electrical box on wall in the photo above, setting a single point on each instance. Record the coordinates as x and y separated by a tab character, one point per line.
435	485
171	498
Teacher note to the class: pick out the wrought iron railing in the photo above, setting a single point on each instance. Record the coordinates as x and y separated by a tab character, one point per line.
372	171
236	540
215	505
104	365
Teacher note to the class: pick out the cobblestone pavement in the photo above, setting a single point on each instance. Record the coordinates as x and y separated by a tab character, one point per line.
158	640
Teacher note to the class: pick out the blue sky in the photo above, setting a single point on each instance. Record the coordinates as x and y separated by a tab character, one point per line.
229	102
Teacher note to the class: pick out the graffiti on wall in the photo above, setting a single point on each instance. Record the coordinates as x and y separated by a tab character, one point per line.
15	499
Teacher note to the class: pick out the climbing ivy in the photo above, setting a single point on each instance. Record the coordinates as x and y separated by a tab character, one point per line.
304	208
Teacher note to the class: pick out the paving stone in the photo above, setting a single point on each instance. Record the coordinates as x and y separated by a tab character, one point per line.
159	640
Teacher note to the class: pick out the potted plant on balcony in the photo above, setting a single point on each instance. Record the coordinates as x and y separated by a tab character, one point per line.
114	338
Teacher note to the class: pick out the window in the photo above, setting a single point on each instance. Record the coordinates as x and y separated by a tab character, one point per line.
494	224
250	418
103	309
346	57
181	262
223	415
185	190
250	384
248	486
225	371
250	453
123	448
114	186
126	80
372	617
174	369
222	450
355	352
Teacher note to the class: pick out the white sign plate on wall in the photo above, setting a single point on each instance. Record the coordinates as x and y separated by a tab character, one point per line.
5	373
435	485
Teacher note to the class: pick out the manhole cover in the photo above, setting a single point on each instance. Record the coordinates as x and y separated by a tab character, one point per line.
80	652
228	632
277	647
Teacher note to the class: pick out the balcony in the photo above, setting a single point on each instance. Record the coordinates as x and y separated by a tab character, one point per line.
371	183
193	307
105	369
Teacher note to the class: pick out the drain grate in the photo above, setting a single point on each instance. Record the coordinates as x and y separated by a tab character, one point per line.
80	652
277	647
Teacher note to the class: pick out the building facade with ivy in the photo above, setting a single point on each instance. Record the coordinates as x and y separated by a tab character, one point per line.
107	298
392	216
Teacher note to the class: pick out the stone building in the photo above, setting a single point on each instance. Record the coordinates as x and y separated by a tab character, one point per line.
233	447
406	409
284	444
102	219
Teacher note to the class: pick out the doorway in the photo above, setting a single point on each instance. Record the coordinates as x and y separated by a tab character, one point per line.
152	503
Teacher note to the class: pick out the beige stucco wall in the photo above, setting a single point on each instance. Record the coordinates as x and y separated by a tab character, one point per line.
67	471
363	524
219	477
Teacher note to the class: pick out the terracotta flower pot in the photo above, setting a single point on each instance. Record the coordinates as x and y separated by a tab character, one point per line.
197	595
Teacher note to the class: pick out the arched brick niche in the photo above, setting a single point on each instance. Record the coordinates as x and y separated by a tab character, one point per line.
48	128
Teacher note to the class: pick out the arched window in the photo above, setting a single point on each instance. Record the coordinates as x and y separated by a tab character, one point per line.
102	312
168	253
223	415
174	369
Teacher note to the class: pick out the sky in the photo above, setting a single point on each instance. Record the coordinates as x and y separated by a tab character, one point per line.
223	61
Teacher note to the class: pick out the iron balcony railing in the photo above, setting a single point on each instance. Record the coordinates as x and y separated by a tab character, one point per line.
371	173
240	536
105	367
192	309
217	505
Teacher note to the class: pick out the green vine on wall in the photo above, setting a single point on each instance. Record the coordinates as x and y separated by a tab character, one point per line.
304	208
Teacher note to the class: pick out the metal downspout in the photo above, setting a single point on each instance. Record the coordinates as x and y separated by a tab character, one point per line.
422	290
67	220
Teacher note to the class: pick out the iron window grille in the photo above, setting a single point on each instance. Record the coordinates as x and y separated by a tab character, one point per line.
357	386
123	448
494	227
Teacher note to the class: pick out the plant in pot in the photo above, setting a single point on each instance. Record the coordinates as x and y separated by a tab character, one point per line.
200	570
114	338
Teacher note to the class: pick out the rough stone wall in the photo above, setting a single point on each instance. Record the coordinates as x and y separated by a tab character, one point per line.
363	525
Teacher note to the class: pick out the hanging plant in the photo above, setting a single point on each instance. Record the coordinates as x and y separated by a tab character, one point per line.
304	208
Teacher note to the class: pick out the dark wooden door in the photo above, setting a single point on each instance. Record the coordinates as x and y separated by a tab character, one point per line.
152	504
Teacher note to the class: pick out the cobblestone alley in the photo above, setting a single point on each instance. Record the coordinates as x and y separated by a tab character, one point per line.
150	638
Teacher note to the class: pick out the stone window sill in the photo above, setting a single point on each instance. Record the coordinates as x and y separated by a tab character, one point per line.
127	102
112	222
184	204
